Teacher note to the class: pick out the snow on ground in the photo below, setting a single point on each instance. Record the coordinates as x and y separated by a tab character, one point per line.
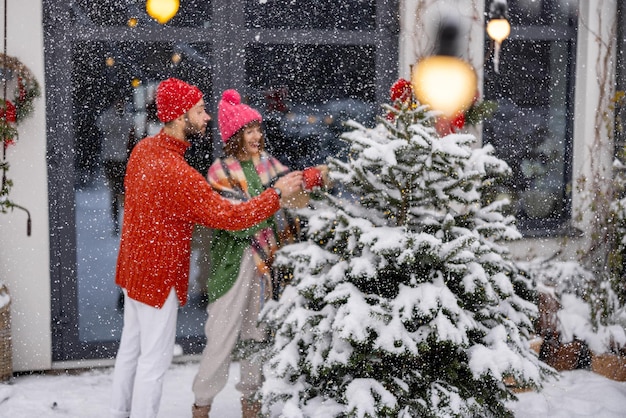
574	394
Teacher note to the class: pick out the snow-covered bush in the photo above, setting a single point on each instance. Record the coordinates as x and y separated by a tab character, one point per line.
589	308
617	227
404	300
603	259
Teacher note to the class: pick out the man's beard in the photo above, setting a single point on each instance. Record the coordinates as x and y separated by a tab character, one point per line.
192	132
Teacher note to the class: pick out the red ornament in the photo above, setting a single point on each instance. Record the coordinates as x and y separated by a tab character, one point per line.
446	126
402	90
458	122
312	177
8	112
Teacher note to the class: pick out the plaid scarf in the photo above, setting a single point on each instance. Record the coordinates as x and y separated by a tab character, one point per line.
227	177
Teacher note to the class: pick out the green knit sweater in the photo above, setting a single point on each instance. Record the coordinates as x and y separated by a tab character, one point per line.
227	247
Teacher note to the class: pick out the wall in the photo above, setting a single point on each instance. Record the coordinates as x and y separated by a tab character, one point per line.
24	260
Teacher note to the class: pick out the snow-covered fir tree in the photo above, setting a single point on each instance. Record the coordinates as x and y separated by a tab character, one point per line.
404	300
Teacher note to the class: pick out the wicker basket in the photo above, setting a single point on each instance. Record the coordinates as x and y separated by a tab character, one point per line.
6	356
612	366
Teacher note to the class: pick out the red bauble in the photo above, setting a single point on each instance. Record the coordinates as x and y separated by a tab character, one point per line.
446	126
8	112
458	122
312	177
402	90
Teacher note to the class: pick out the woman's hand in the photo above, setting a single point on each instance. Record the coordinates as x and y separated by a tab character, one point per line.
290	185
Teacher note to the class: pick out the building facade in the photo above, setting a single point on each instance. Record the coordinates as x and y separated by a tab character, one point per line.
307	67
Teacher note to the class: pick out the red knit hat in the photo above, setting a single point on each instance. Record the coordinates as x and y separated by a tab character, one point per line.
232	115
175	97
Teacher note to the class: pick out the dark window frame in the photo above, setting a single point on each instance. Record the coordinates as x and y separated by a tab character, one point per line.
228	35
544	227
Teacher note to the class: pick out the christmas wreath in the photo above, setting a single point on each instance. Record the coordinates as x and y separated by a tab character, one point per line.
12	111
16	109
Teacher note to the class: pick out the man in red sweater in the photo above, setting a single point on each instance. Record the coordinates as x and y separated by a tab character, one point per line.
165	198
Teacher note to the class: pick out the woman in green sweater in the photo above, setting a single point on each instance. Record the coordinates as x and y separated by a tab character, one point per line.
240	279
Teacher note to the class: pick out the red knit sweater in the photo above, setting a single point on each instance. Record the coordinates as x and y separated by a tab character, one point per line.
165	197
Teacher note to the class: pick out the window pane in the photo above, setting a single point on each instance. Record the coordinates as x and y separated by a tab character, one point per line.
541	12
103	73
305	14
191	13
530	127
306	92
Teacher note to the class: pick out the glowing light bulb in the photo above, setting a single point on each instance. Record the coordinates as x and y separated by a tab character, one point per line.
498	28
445	83
162	10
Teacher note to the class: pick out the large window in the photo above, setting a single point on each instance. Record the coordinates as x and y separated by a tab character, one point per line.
532	127
306	92
113	86
307	66
307	14
117	13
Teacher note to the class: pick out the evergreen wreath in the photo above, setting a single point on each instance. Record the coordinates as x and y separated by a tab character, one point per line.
12	112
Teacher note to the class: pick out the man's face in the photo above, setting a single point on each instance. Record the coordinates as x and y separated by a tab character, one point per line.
196	120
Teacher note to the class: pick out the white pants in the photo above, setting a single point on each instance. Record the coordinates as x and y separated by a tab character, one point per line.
234	315
145	354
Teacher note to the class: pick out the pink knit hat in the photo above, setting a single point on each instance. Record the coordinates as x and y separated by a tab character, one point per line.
232	115
175	97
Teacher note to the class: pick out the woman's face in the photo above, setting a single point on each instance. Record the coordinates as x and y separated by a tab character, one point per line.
252	136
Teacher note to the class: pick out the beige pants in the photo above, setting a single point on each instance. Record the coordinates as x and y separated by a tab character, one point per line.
232	317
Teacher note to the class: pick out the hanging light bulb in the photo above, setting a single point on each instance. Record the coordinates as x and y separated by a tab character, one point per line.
444	81
162	10
498	28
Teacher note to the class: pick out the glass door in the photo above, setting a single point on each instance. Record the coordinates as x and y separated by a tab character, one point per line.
113	88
